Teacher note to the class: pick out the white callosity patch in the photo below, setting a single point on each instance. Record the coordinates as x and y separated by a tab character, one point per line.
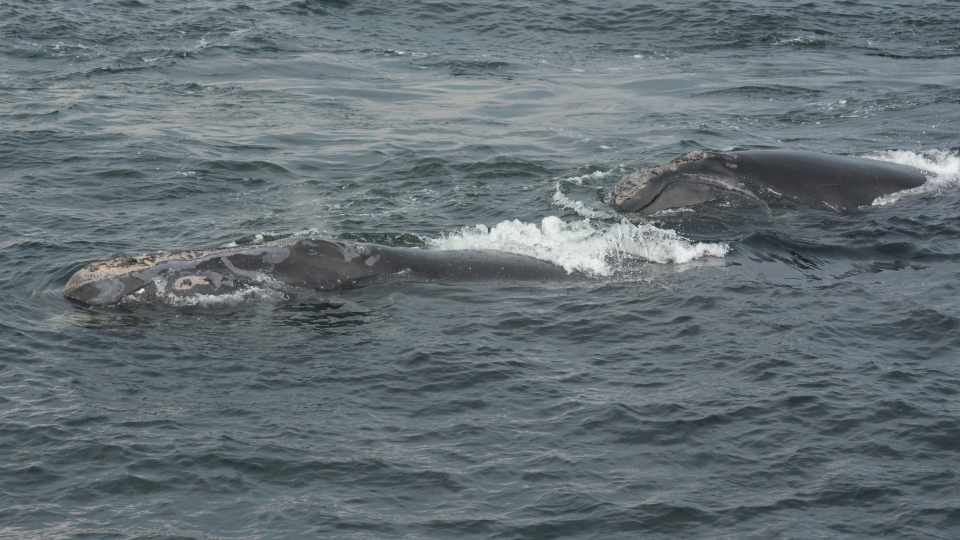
186	283
942	168
582	246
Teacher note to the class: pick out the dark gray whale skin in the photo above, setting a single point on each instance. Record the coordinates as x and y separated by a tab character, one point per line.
842	183
314	263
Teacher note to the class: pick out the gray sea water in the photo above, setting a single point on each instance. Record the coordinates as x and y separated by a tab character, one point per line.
783	372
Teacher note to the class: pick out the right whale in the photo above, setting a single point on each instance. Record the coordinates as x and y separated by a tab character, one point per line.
842	183
316	263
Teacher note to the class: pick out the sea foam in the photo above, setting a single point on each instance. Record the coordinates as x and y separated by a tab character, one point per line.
582	245
943	167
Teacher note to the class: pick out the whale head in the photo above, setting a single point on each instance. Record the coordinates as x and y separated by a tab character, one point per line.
693	179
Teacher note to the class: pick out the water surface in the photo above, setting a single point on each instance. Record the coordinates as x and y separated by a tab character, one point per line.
773	372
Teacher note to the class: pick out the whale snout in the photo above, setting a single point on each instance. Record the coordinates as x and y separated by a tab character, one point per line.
629	188
638	190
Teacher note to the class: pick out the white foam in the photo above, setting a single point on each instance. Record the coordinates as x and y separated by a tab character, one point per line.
579	207
581	245
942	166
595	175
561	200
799	40
262	237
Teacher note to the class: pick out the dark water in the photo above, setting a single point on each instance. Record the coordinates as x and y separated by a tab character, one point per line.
761	373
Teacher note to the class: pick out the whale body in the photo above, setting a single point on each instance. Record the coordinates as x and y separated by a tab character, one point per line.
842	183
315	263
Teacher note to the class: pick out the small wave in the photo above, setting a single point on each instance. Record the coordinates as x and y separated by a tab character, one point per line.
262	237
391	52
579	207
800	41
561	200
582	246
595	175
942	166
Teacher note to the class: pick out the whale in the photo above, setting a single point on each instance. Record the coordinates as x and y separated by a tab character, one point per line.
840	183
313	263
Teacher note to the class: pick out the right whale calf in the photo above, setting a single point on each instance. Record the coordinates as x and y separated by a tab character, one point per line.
840	182
316	263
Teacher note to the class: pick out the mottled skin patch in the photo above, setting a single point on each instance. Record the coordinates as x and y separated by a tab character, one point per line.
132	263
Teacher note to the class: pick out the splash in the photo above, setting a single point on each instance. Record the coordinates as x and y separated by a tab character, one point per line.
561	200
942	166
581	245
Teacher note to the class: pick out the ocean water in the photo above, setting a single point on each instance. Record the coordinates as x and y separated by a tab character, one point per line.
778	371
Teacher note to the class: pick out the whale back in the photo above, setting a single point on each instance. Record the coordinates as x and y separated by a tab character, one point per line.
842	183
